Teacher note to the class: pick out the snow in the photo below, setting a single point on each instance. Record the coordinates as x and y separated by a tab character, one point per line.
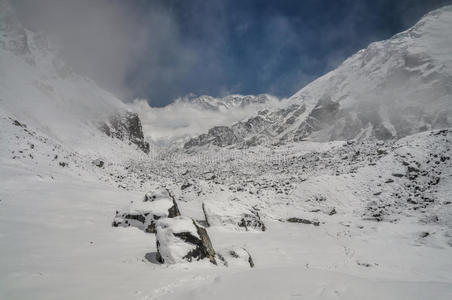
57	240
226	214
177	225
159	207
157	195
296	283
47	253
390	238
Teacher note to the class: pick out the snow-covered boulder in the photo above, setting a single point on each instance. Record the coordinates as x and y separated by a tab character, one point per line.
232	214
158	194
180	239
235	256
144	214
98	162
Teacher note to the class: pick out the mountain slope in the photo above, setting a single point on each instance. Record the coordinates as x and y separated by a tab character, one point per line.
39	89
392	89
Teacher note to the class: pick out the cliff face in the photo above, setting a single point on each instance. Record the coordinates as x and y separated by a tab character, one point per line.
126	127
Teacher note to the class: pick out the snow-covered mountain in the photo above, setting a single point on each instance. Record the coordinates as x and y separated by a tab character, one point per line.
84	215
225	103
391	89
38	88
191	115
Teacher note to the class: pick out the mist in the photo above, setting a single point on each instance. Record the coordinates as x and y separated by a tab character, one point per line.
105	39
182	119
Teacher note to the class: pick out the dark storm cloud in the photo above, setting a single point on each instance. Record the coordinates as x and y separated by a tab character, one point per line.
163	49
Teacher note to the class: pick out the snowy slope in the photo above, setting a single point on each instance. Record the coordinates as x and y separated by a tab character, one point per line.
57	240
39	89
391	89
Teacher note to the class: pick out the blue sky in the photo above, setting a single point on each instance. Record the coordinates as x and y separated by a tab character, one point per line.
163	49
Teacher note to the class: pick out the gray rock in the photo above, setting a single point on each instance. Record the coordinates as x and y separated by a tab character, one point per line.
98	163
126	127
303	221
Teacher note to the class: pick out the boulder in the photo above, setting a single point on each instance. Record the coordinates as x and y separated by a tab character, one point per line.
303	221
232	214
252	220
180	239
160	193
235	256
98	163
144	214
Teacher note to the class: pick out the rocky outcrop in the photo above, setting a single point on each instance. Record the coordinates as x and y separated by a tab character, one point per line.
303	221
219	136
144	214
252	220
181	239
98	162
126	127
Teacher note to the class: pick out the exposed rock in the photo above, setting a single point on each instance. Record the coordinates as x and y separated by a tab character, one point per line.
17	123
381	151
180	239
424	234
205	214
332	212
303	221
219	135
126	127
98	163
363	264
252	220
173	211
144	214
399	175
235	256
185	185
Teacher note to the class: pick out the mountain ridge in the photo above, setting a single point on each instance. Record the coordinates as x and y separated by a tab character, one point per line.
391	89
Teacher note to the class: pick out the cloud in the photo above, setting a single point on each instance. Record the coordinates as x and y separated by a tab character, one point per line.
111	40
183	119
164	49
